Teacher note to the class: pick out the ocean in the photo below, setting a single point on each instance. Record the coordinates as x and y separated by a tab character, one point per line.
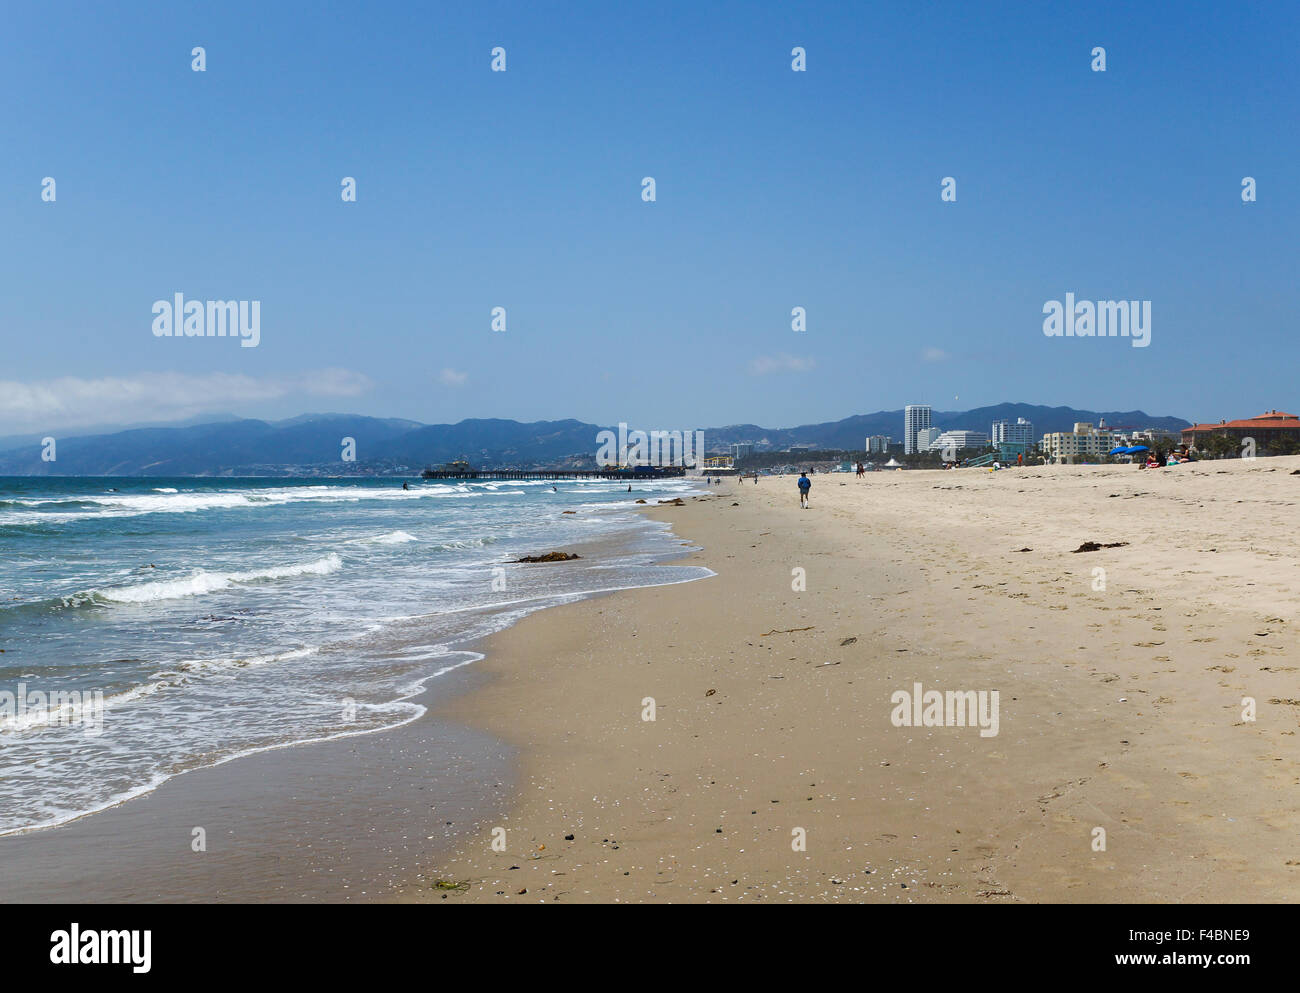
153	626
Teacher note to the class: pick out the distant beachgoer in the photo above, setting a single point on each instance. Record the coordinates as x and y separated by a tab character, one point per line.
805	484
406	486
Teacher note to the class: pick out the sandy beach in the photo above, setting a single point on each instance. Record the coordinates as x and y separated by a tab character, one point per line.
772	769
1121	700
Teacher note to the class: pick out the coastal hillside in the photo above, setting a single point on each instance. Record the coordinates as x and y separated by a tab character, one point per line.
314	443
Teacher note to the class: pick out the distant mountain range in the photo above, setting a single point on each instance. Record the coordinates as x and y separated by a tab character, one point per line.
313	443
852	432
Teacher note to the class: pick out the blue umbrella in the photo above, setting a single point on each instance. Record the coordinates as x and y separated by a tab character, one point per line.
1119	450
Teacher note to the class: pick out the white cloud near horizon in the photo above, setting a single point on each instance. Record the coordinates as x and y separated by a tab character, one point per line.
766	364
451	377
933	354
69	401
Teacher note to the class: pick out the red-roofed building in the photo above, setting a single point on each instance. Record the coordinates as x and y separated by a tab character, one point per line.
1271	431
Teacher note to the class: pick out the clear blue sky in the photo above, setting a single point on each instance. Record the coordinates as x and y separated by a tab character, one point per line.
522	189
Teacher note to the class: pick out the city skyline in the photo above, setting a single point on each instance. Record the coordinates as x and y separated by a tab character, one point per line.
325	439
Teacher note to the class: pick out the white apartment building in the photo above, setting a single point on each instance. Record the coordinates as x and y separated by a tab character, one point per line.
956	440
1085	441
877	444
926	437
1019	433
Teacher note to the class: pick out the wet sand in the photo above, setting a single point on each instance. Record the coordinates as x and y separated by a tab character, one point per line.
332	821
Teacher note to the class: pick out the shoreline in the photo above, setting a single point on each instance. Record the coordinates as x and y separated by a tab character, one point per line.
1119	715
272	824
772	729
324	821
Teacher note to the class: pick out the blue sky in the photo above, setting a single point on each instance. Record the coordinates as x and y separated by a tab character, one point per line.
522	190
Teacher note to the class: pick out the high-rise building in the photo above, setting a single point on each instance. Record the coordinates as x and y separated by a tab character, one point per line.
915	417
877	444
741	449
1018	434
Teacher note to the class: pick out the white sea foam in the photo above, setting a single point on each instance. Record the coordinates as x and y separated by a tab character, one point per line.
167	500
461	544
391	538
71	709
202	581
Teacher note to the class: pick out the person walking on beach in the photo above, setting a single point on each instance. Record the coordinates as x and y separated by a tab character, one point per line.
805	484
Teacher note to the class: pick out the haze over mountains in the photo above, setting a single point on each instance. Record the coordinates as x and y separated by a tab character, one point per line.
314	442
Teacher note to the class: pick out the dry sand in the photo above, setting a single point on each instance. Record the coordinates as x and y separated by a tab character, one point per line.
1120	708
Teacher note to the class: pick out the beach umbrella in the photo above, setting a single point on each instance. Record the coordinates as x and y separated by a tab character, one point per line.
1138	448
1119	450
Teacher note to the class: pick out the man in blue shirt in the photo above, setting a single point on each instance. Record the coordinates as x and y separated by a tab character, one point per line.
805	484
